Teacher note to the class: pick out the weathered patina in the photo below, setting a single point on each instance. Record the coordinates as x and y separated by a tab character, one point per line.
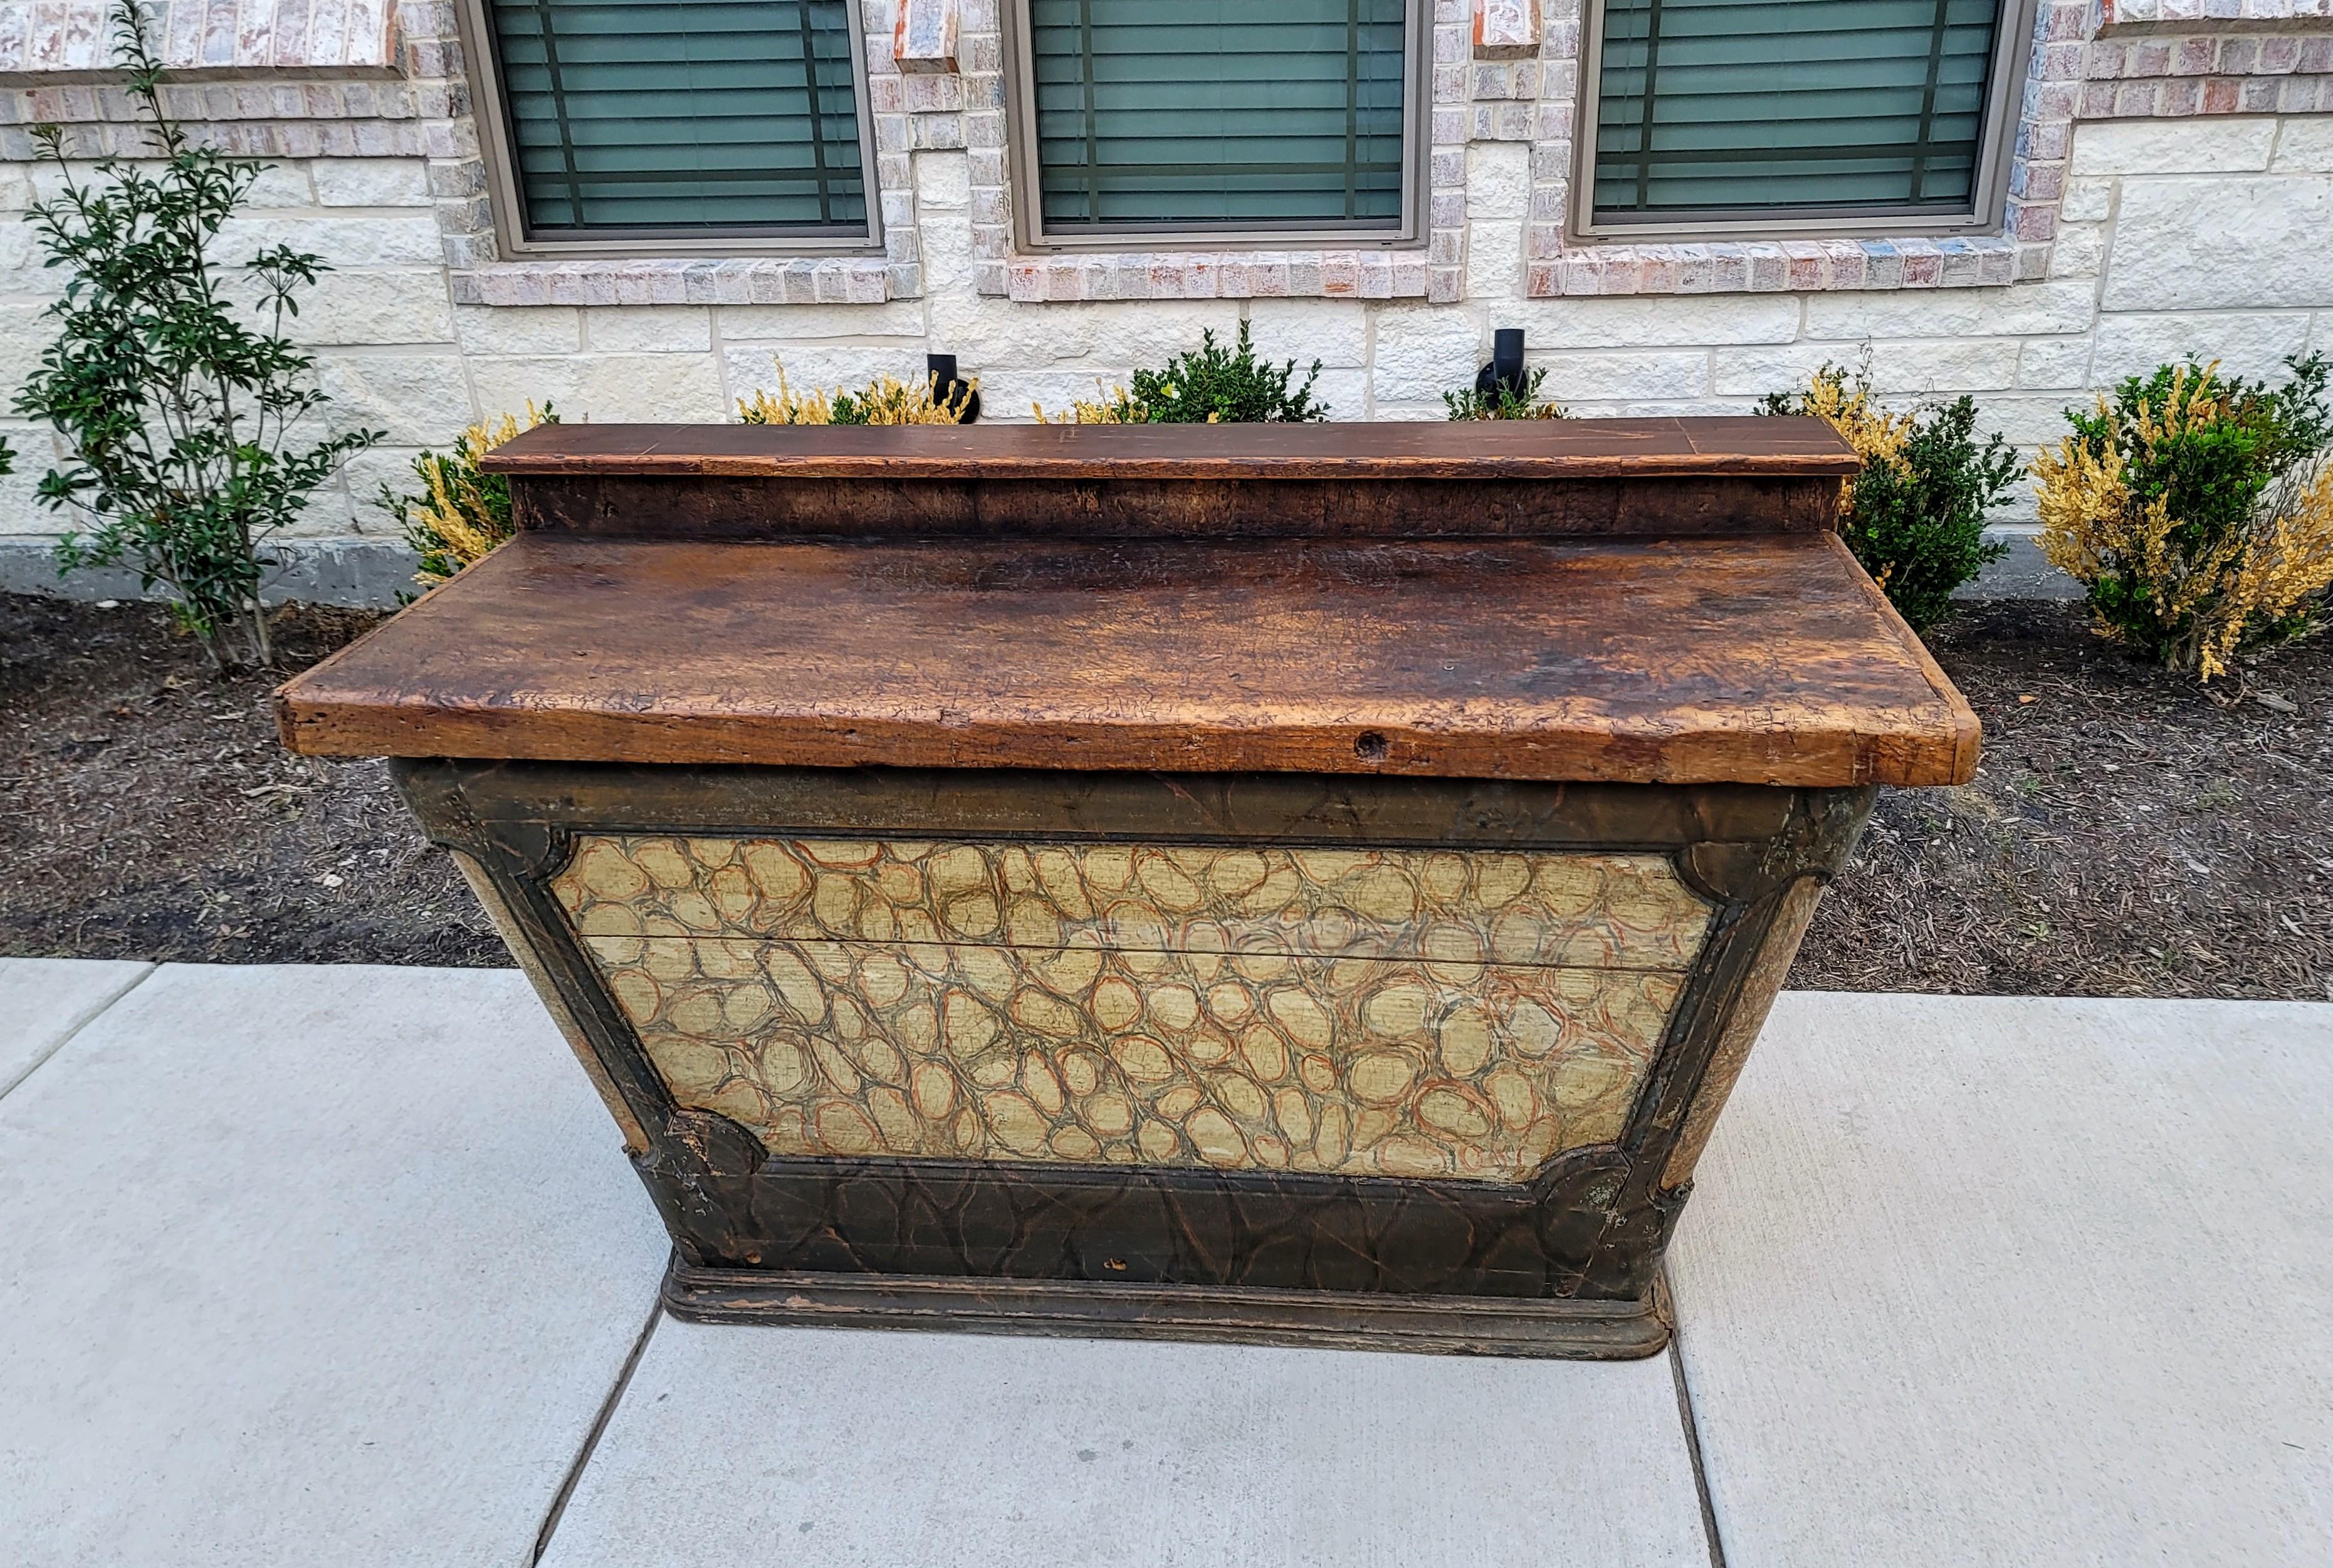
1311	885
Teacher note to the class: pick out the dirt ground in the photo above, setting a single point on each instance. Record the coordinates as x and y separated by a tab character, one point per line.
2128	834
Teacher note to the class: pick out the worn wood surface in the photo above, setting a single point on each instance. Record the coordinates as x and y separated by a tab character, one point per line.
1575	449
783	507
1761	660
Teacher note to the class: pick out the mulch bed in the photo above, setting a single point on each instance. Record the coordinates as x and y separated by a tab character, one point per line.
2128	835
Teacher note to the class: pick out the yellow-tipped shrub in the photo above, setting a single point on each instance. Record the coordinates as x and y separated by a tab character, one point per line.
461	514
885	400
2197	511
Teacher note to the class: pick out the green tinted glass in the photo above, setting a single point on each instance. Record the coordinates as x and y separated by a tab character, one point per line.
1219	112
1715	106
668	116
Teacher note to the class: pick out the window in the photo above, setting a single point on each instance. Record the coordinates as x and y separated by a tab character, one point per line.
673	126
1750	118
1187	121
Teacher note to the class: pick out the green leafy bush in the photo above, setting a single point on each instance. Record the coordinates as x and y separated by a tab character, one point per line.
1915	516
1504	402
2197	510
1210	385
180	414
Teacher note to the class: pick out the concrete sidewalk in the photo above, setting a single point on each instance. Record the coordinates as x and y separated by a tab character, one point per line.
345	1266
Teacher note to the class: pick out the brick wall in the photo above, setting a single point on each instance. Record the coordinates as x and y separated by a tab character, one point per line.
2147	221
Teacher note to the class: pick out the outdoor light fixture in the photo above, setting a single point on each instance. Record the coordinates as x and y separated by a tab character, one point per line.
1506	366
948	386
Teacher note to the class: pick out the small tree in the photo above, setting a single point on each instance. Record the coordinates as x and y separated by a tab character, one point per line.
180	415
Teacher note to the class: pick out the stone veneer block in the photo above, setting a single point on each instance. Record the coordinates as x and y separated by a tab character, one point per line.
2012	1280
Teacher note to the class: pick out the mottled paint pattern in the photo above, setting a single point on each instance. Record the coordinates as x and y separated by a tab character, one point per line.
1392	1012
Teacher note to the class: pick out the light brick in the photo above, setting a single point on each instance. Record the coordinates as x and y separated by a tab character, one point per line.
1976	365
2161	147
2081	250
383	307
372	182
1498	180
648	329
1656	321
1895	313
1578	378
608	387
343	242
2245	343
2305	146
2239	242
2086	201
2055	307
943	181
1495	260
519	329
1754	372
1334	331
419	399
2048	362
2028	420
784	323
1345	393
1425	350
23	335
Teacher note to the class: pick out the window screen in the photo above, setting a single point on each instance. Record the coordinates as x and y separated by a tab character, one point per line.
1723	106
1230	113
668	116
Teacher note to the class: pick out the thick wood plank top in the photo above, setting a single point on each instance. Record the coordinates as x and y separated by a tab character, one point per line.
1768	659
1539	448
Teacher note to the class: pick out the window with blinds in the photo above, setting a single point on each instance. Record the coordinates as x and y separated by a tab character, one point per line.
679	117
1218	114
1708	108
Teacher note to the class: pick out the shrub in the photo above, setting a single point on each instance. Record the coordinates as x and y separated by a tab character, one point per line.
2197	510
1915	516
1504	402
885	400
1210	385
461	514
180	415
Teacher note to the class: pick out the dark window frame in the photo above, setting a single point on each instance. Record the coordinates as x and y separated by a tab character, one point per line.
2014	44
1031	234
517	240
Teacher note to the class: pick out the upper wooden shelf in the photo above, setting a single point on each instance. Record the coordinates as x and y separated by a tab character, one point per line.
1518	449
1766	659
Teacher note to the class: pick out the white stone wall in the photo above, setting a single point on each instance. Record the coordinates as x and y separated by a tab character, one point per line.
2209	235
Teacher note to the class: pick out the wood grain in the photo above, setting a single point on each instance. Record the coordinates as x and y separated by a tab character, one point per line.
1759	660
1542	449
781	506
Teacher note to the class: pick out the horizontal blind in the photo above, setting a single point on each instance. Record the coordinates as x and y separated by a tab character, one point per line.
671	115
1229	112
1710	105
